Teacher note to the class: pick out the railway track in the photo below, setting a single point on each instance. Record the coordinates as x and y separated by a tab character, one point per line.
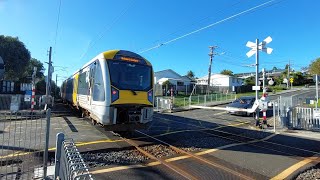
177	168
249	140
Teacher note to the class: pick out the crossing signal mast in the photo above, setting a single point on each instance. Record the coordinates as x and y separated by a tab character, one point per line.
255	48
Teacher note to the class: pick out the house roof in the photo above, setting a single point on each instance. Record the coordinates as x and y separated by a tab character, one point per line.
221	75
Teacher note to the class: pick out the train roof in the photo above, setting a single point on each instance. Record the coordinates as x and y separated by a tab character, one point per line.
116	55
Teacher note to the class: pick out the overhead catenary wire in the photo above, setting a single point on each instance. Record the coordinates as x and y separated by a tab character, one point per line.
106	29
57	26
208	26
182	27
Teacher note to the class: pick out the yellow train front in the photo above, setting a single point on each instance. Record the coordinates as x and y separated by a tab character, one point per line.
115	89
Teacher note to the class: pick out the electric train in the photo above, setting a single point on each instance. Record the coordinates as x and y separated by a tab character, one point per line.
115	89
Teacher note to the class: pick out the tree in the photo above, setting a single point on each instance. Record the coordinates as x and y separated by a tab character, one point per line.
314	67
190	74
29	70
298	79
167	83
274	68
250	81
287	66
15	56
227	72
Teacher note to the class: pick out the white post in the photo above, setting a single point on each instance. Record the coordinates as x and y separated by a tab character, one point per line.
317	93
274	118
257	79
263	77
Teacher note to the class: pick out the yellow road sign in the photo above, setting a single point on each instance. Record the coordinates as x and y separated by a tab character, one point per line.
291	80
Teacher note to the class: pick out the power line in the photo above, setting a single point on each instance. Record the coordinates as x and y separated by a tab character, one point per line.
208	26
198	21
107	28
57	26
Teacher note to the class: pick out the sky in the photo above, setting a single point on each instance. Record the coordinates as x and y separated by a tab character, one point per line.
83	29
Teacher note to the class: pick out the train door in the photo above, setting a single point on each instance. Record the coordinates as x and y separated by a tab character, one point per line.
91	81
98	90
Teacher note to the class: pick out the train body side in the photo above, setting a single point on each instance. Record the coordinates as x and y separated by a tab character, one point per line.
91	89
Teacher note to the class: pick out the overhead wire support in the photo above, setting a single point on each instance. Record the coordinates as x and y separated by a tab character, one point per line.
208	26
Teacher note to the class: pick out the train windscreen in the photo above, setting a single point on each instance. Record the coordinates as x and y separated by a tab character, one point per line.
130	76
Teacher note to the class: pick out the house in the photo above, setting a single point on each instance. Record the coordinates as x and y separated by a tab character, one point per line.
178	82
220	80
174	78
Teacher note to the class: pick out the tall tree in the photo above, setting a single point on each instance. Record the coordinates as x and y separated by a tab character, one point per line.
29	70
15	56
190	74
250	81
314	67
274	68
227	72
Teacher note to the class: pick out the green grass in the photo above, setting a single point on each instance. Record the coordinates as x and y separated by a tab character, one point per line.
201	99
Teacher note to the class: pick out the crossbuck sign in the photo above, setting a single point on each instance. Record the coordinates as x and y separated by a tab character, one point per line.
261	46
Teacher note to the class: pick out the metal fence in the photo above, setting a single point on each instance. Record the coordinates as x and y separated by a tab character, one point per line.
305	118
295	113
24	144
24	104
164	103
69	164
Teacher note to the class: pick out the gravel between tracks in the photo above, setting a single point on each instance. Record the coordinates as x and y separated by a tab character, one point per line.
123	157
159	150
313	173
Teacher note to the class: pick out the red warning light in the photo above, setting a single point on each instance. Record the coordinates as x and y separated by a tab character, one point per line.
114	92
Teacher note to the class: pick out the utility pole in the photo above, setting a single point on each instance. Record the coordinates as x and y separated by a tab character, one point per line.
55	91
48	85
211	54
288	76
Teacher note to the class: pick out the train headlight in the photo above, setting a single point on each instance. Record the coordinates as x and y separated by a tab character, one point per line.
114	94
150	96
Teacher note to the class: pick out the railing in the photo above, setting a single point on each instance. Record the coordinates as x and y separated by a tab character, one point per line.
69	164
305	118
166	103
24	148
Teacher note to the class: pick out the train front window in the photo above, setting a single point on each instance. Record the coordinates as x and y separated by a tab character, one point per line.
130	76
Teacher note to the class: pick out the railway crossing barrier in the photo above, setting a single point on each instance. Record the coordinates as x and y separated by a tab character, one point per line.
24	144
69	165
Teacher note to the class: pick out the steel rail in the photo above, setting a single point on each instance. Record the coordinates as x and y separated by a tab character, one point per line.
168	165
199	158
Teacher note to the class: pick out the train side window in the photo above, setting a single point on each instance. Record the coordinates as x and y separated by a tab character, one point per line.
98	86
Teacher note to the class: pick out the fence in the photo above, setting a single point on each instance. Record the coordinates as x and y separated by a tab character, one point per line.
295	113
6	101
68	161
24	144
305	118
164	103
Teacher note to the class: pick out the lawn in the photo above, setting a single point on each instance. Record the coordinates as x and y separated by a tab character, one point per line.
201	99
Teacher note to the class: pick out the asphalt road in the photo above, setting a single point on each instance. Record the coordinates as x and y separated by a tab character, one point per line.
228	140
218	137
